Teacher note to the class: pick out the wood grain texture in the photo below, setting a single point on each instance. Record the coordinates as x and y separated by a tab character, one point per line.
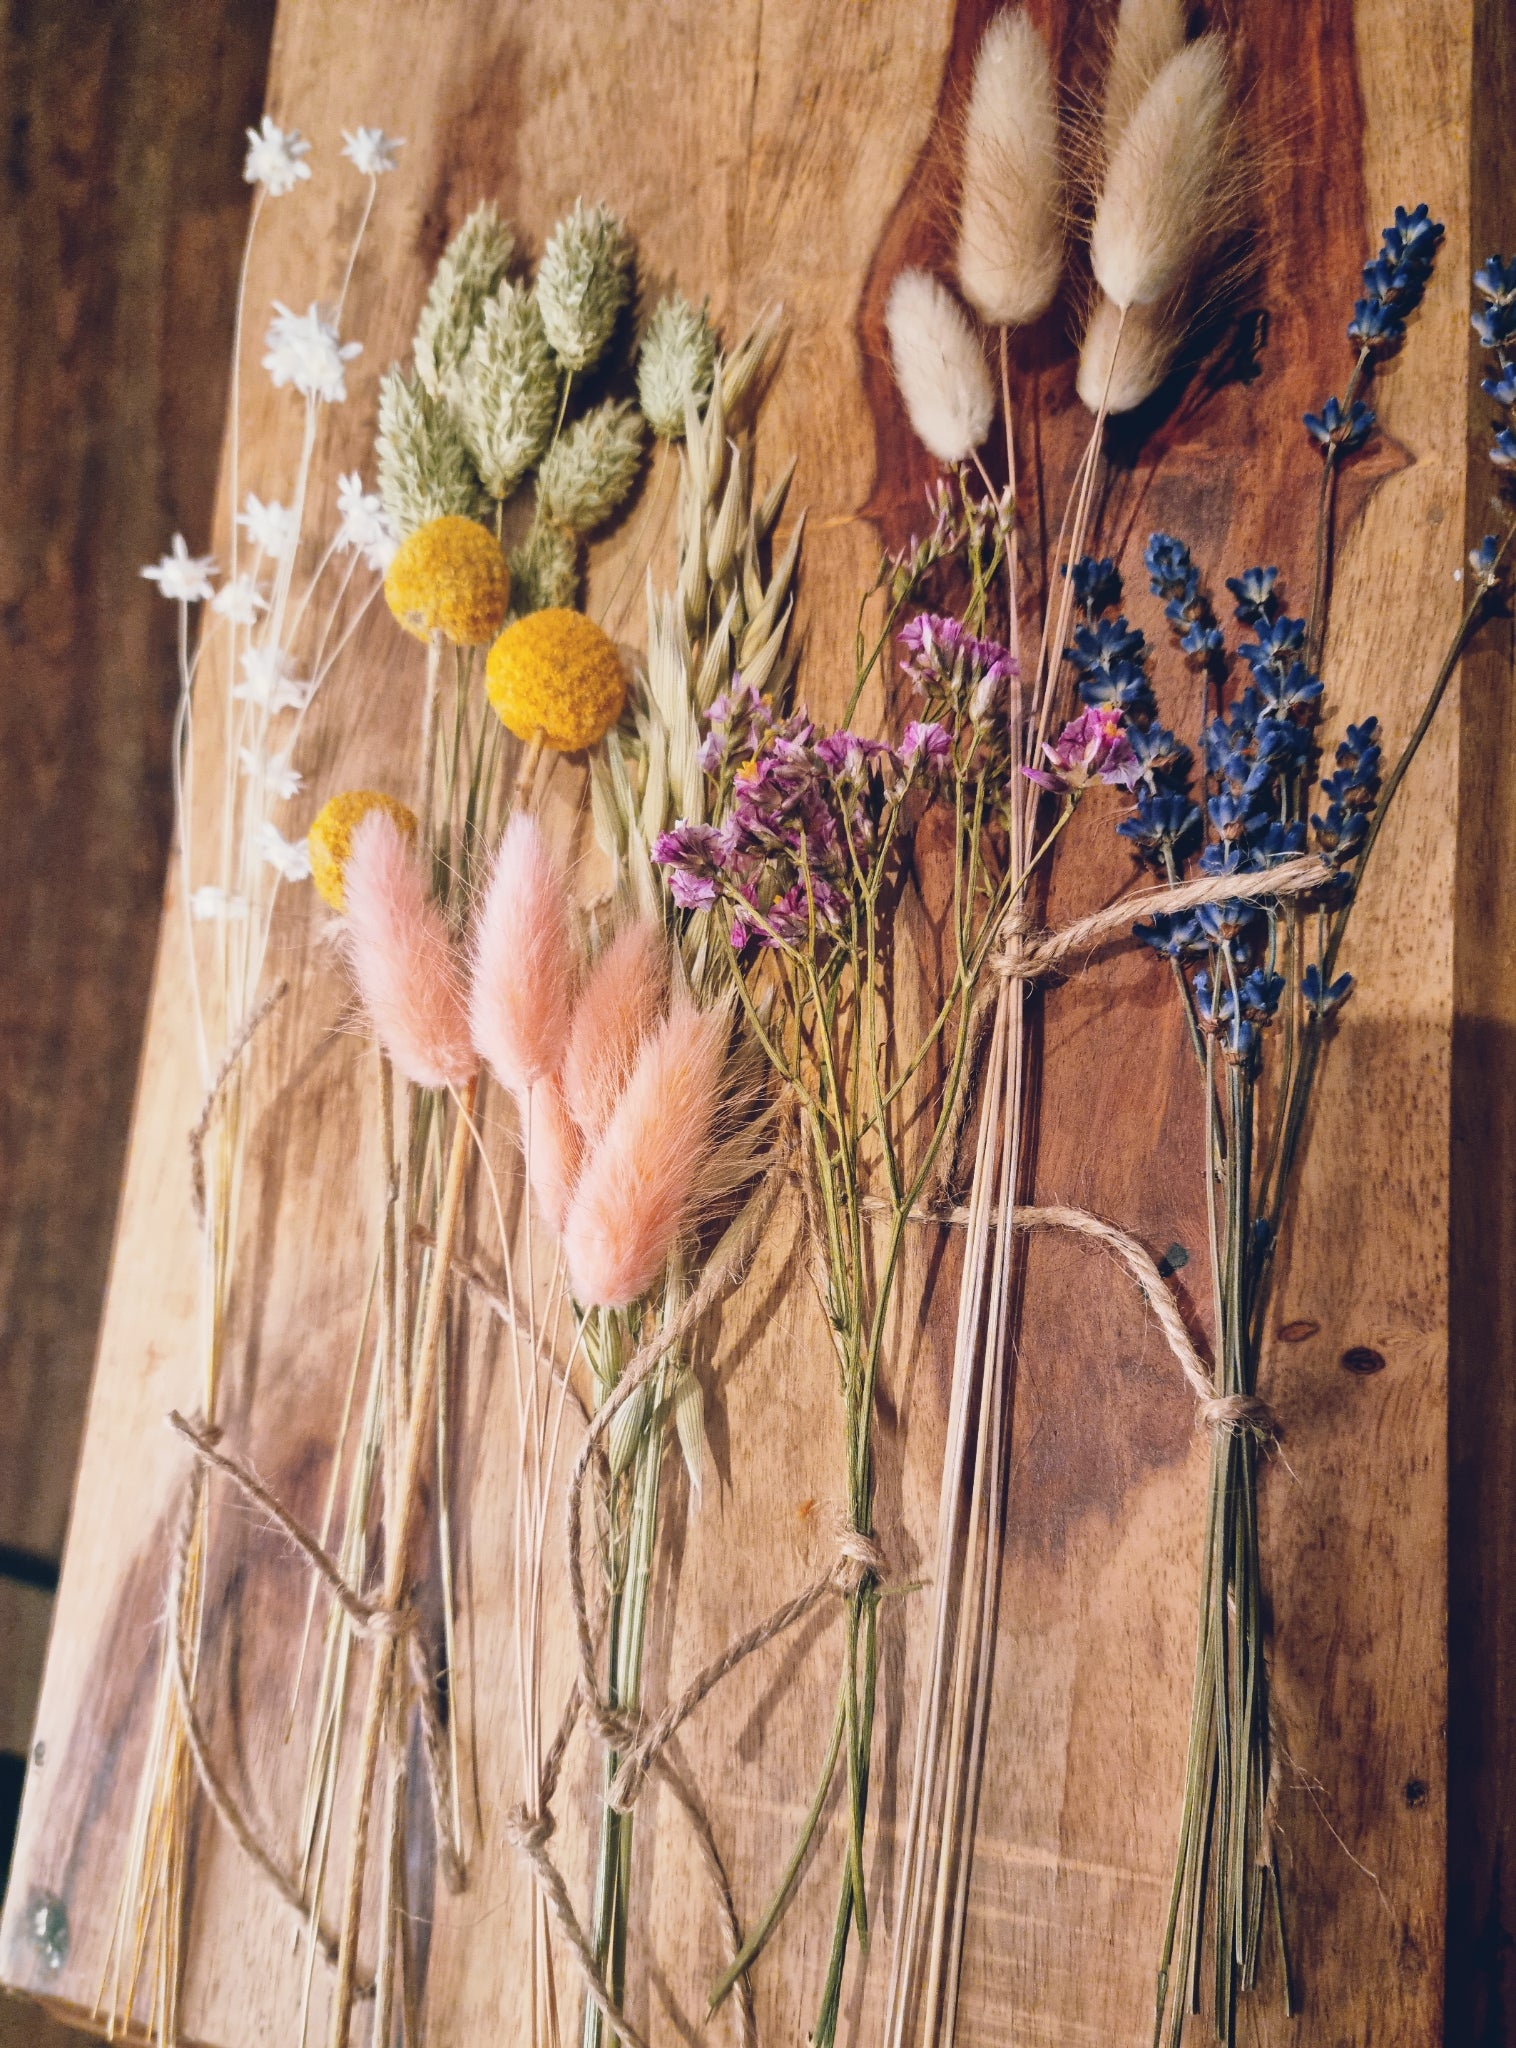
797	152
118	241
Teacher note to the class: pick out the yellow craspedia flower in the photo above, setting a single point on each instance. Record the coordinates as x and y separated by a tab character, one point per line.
556	673
330	838
449	577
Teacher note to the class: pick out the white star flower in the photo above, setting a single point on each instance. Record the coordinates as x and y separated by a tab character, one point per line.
267	683
365	523
274	158
271	527
277	776
370	150
303	350
290	857
211	902
184	577
240	601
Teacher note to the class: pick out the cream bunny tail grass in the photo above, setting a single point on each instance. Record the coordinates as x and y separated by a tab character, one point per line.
619	1004
939	366
1167	190
640	1181
1010	231
1124	377
403	960
522	979
1147	34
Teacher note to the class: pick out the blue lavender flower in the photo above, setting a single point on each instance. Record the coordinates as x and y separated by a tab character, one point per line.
1223	922
1335	429
1163	818
1295	695
1494	325
1483	559
1106	641
1097	584
1168	564
1259	994
1323	999
1279	842
1503	449
1396	278
1174	934
1374	324
1254	592
1159	752
1502	387
1495	280
1340	834
1279	641
1232	815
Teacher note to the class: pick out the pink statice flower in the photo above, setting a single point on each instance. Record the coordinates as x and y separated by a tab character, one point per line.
1092	746
926	744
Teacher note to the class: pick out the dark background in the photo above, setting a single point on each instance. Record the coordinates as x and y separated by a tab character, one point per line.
120	233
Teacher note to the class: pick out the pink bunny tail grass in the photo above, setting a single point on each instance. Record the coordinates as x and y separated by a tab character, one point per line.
557	1150
522	965
640	1181
619	1005
403	960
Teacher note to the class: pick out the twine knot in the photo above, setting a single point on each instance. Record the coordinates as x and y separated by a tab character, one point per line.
528	1831
1238	1415
858	1558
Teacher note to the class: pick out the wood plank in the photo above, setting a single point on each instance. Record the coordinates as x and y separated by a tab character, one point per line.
124	204
799	154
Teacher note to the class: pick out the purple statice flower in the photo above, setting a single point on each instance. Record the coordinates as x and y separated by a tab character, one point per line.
735	724
1092	745
695	856
848	757
928	744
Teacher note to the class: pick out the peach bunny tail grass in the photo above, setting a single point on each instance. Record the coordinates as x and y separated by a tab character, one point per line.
1147	34
1010	226
641	1181
1168	190
939	367
522	964
619	1004
556	1151
403	960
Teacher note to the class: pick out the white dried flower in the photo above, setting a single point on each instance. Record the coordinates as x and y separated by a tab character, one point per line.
508	390
181	576
303	350
676	363
1147	34
1123	377
591	466
290	858
273	772
1010	227
425	471
583	281
269	684
939	366
275	158
209	902
371	151
240	601
1167	180
544	569
364	523
472	265
270	527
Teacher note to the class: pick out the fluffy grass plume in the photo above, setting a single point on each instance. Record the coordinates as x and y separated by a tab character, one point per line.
675	364
425	472
403	960
507	391
618	1007
1167	184
591	466
1147	34
939	366
521	980
641	1181
1150	340
556	1149
583	281
472	265
1010	228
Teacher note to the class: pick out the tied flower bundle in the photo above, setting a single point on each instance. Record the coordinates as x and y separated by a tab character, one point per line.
1258	975
794	873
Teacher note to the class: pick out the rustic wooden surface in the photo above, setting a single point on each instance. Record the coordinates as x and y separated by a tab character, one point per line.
799	152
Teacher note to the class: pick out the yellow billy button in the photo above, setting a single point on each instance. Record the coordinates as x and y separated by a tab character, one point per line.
449	577
330	838
556	676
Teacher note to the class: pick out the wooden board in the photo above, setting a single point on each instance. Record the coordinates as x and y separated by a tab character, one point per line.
798	152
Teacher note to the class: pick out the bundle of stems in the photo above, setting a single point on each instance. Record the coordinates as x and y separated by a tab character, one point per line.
271	610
